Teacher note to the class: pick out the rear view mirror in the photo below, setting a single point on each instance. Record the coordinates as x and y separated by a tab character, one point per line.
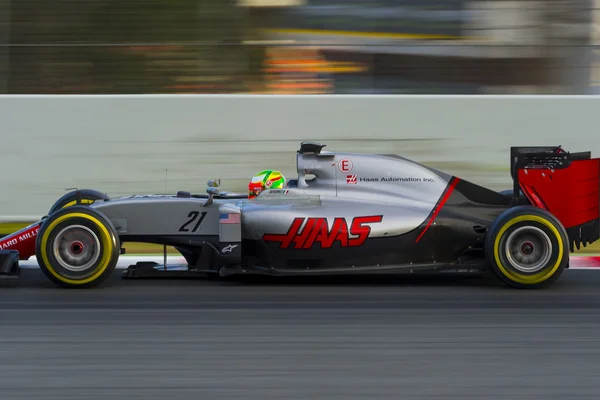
213	191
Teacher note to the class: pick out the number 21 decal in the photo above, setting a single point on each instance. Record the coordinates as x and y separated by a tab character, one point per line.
192	217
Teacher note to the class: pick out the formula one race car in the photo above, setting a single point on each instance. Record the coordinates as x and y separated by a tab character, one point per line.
344	214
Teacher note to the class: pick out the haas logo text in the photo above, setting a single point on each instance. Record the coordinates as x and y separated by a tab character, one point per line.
304	233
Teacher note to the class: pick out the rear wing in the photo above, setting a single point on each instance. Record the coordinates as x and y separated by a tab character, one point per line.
565	184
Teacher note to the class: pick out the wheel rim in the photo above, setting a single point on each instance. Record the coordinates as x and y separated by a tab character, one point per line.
528	249
76	248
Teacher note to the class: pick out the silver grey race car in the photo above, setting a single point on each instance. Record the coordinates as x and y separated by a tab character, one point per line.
345	213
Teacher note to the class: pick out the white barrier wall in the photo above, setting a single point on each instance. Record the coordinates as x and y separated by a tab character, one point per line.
124	144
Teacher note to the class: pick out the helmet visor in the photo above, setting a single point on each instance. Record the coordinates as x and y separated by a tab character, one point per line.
253	193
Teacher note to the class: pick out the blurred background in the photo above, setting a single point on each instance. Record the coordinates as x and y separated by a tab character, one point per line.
298	46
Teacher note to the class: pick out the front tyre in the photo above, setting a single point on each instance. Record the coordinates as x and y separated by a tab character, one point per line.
527	247
77	247
87	197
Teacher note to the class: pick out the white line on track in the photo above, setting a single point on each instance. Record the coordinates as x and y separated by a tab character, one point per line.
577	262
585	262
124	261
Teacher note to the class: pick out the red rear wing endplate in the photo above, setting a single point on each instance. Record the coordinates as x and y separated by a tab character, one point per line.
565	184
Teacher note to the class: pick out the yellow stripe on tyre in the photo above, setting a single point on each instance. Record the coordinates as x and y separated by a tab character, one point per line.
107	246
74	202
540	276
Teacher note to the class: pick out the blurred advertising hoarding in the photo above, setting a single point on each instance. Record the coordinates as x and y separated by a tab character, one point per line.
595	45
424	19
4	41
270	3
291	46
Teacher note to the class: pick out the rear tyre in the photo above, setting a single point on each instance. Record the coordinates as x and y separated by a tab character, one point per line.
527	247
77	247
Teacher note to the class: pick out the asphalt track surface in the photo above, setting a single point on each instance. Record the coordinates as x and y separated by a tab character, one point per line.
342	338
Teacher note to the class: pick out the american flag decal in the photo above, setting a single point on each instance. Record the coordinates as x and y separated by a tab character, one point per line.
229	219
351	179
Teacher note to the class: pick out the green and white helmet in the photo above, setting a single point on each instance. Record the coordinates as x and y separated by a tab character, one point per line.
266	179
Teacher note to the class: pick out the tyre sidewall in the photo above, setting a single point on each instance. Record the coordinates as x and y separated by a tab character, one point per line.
507	223
101	228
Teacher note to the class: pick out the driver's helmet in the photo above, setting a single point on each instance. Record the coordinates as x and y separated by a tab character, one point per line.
267	179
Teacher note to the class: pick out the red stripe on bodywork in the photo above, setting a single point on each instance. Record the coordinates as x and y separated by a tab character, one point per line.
440	204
